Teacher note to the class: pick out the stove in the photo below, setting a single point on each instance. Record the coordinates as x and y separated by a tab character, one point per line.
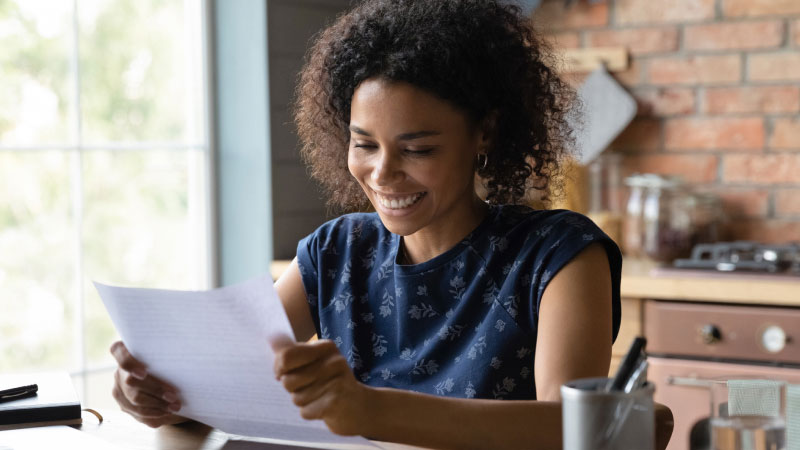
744	256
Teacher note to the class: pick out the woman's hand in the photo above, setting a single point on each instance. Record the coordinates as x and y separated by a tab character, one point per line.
323	386
147	398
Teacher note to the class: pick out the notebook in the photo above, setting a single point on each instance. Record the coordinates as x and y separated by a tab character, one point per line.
56	402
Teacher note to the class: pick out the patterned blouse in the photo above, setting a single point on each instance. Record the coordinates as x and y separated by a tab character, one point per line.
462	324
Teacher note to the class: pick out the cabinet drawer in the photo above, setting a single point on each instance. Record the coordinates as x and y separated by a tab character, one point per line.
711	331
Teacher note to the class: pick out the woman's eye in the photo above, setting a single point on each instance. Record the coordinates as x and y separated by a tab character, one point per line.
419	152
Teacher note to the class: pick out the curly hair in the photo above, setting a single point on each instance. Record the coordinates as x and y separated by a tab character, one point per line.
483	56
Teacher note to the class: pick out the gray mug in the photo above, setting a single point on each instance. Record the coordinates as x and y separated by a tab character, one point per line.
597	420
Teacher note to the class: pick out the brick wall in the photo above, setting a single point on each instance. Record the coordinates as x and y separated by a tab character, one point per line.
718	87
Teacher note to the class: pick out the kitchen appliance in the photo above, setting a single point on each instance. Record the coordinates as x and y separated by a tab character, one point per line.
690	343
744	256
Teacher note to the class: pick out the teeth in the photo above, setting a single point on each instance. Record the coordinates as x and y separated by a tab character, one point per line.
399	203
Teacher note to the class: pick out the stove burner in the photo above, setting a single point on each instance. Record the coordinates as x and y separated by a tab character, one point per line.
744	255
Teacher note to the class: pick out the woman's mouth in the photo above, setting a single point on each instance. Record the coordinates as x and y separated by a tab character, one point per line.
399	202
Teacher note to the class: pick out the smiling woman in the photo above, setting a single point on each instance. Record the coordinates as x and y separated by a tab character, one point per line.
440	306
407	151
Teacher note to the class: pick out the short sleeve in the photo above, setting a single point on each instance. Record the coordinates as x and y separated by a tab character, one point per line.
308	257
563	236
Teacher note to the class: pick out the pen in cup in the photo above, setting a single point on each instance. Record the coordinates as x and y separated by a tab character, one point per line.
628	366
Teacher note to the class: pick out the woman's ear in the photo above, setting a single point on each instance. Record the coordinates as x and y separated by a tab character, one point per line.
488	130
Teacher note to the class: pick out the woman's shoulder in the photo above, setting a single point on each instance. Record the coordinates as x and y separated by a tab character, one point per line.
348	229
520	219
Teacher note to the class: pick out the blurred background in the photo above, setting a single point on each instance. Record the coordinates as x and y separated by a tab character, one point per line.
150	143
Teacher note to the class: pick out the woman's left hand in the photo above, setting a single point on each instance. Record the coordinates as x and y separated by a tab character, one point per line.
323	385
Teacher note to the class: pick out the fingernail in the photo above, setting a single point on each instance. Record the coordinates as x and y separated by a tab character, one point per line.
169	397
174	407
139	373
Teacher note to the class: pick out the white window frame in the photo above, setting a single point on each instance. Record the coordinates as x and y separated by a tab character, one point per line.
78	148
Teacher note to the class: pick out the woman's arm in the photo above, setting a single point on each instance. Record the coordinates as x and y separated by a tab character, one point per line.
574	339
293	297
574	336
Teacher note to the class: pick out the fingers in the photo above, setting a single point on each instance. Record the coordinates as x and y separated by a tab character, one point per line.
127	361
296	356
314	373
139	411
314	402
312	392
138	371
145	394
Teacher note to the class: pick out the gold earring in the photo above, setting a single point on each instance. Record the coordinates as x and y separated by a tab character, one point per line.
482	162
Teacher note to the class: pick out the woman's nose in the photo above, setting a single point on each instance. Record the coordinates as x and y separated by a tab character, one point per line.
387	169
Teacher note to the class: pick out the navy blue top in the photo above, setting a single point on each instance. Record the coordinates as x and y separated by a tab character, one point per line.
462	324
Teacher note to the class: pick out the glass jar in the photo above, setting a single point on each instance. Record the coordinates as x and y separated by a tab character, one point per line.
604	194
632	226
707	217
666	220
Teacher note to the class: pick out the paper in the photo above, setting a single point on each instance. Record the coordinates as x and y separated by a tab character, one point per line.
60	437
214	347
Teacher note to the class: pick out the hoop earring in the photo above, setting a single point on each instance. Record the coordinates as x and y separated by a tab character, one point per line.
482	162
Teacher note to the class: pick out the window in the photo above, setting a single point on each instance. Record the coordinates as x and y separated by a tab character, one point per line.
104	172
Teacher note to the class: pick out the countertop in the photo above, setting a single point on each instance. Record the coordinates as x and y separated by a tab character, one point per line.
646	280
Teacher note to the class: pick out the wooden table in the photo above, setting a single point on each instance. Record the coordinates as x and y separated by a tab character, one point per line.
125	432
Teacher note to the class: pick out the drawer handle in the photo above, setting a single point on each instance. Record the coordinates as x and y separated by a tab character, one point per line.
688	382
710	334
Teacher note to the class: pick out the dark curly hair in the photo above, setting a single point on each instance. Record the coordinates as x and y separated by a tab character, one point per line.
483	56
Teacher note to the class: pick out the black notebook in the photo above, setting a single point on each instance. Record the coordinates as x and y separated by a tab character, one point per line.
55	403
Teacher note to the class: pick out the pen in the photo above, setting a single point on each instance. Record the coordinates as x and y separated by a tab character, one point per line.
18	392
628	365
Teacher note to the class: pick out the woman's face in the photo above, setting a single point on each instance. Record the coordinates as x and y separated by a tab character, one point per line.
414	156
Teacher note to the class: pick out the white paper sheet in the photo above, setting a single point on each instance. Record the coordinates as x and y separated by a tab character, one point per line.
214	347
60	437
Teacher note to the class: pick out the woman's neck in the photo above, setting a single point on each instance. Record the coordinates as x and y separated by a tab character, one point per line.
436	239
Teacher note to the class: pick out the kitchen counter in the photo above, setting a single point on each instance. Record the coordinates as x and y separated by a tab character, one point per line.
645	280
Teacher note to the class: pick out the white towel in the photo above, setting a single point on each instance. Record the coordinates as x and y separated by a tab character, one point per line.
754	397
793	417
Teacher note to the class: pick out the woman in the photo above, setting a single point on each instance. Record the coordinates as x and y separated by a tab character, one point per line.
439	305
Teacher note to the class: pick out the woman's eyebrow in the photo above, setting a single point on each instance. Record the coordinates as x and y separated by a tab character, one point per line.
416	135
400	137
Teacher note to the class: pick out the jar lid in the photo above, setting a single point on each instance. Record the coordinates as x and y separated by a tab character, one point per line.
652	180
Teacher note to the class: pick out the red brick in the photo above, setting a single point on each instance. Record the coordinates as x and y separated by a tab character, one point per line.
785	134
695	70
715	133
774	66
764	99
734	36
632	76
628	12
643	135
756	8
796	32
739	202
665	101
766	231
553	15
776	168
693	168
639	41
787	202
564	40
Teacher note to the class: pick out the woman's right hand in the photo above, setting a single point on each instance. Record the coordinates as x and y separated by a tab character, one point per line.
148	399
